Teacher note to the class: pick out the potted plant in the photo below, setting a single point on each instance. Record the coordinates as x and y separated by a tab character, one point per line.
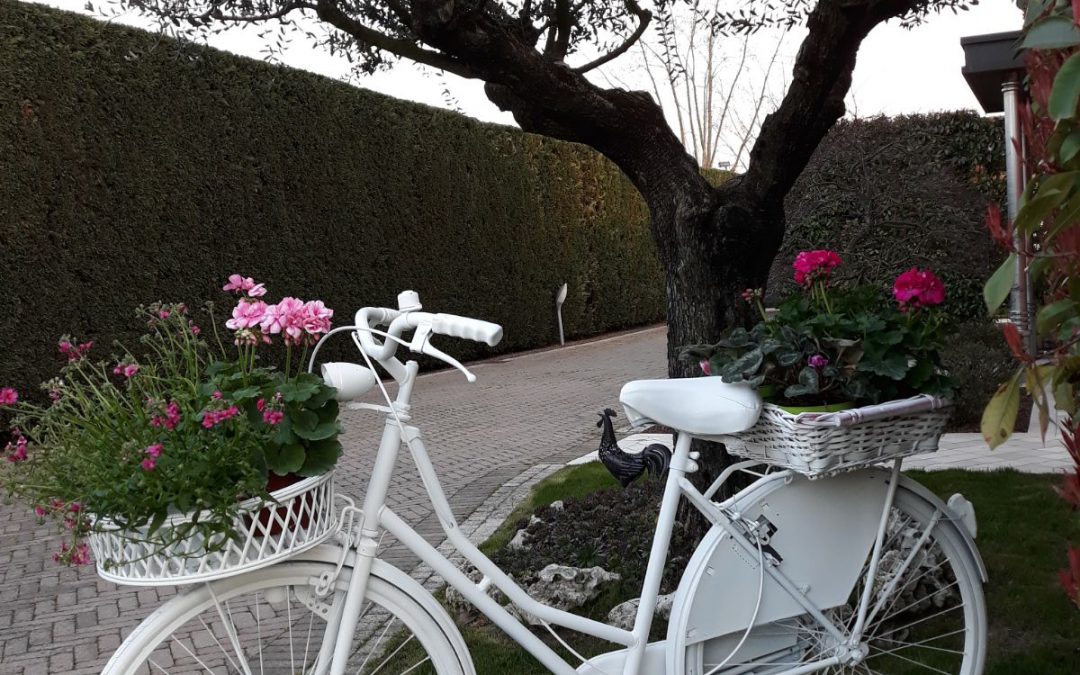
168	444
830	348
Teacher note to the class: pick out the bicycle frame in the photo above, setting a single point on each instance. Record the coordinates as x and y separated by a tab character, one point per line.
378	516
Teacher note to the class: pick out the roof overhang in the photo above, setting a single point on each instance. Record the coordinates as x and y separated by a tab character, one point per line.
989	61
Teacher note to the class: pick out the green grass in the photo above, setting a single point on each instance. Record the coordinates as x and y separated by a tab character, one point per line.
568	483
1023	531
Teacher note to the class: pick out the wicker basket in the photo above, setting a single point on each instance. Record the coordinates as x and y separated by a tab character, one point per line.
303	517
817	444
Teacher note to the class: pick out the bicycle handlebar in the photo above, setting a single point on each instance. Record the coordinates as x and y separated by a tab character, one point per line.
400	320
469	329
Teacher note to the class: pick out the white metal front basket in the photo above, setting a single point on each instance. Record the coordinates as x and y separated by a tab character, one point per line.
818	444
303	517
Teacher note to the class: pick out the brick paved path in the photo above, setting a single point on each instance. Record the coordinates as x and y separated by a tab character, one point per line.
524	411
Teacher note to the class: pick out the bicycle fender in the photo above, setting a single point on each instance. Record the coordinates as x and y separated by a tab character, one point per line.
330	553
824	530
924	492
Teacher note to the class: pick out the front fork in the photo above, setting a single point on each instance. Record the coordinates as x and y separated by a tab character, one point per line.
345	613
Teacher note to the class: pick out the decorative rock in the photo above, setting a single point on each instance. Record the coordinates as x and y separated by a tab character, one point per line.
557	505
567	588
457	602
623	614
534	520
520	541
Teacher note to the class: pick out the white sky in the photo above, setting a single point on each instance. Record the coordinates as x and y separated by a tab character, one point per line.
898	71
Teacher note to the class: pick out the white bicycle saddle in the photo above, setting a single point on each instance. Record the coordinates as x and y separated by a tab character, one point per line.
701	406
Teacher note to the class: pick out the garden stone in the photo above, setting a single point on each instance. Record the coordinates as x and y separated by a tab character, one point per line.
520	541
557	505
623	614
457	602
567	588
534	520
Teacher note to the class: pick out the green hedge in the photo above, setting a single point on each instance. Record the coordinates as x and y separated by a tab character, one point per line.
132	170
892	193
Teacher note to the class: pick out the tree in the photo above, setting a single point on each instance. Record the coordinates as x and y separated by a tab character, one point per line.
535	55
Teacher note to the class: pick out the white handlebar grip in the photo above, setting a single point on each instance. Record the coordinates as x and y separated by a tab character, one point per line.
470	329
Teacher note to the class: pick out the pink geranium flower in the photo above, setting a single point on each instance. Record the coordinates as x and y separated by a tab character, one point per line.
8	396
149	464
811	266
317	317
705	366
212	418
154	451
289	317
918	288
17	451
818	361
80	555
273	417
247	315
74	352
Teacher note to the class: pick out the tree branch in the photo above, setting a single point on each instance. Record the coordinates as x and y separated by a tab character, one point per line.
815	99
563	26
644	17
329	12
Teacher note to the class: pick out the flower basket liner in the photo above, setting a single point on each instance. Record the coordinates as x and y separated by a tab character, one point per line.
303	517
809	444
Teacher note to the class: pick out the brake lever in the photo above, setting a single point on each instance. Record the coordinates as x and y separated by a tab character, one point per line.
421	342
431	350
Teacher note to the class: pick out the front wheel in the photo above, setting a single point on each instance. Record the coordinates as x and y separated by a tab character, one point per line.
273	621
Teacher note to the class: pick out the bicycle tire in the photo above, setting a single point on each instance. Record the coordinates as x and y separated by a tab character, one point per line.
257	620
955	598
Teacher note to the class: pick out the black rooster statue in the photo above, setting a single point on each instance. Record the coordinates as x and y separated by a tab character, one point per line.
626	466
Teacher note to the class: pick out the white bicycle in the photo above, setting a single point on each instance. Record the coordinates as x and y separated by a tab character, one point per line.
860	570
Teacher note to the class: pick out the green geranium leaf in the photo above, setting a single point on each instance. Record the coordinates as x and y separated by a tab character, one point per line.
242	394
321	457
288	460
284	434
921	374
298	390
319	432
328	411
893	366
303	420
325	394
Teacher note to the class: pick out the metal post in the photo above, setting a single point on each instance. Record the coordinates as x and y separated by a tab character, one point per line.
560	298
1020	299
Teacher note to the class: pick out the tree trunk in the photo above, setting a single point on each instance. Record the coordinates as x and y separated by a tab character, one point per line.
714	260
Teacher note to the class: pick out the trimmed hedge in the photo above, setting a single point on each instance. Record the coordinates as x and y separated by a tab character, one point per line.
892	193
133	170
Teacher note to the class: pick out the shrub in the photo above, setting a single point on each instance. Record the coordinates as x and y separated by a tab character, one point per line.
133	167
892	193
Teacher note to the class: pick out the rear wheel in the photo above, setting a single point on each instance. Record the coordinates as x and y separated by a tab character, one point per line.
930	618
273	621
